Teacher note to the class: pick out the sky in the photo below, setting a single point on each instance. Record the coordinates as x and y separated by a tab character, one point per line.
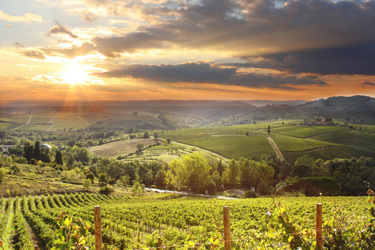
186	49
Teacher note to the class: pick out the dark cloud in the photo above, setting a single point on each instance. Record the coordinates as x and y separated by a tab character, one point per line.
253	27
59	29
367	84
18	45
351	59
72	52
134	41
34	54
209	73
88	16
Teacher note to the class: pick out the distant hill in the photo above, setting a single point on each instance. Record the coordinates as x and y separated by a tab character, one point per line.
261	103
355	109
359	109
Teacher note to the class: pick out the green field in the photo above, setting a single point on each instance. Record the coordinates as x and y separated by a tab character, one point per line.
307	131
128	120
188	223
230	142
326	142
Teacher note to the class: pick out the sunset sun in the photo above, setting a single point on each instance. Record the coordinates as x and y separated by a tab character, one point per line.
74	75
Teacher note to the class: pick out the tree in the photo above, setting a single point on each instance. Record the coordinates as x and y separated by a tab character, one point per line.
58	158
146	135
140	147
36	152
269	129
156	135
231	174
103	179
81	154
189	172
90	176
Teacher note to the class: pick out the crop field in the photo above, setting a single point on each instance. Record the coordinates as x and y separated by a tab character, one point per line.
128	120
308	131
325	142
114	149
288	143
186	223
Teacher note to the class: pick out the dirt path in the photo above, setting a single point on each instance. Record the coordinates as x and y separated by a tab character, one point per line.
190	194
276	149
80	117
29	120
34	239
50	127
53	118
17	127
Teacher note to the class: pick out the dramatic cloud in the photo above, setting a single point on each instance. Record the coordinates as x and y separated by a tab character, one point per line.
367	84
26	18
59	29
34	54
350	60
208	73
252	27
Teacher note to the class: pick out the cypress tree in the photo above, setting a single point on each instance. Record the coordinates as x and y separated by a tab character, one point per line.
58	158
36	152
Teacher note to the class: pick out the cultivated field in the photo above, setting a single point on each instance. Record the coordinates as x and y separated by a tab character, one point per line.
137	223
326	142
114	149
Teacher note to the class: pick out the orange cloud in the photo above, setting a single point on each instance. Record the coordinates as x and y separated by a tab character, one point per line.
26	18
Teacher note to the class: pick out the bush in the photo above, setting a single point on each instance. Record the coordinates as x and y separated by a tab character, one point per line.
105	190
2	174
250	194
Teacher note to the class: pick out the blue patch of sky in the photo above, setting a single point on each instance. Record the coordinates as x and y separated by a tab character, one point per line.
34	33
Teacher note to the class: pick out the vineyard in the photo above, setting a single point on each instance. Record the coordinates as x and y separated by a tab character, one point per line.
189	223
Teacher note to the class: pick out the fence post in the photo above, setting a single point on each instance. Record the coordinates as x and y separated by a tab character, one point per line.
319	229
226	218
160	243
98	228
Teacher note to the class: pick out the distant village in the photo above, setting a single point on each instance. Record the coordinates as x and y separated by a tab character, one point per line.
318	121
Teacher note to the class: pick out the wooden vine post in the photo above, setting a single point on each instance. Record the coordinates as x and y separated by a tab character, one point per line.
98	228
160	243
36	247
105	246
226	218
319	228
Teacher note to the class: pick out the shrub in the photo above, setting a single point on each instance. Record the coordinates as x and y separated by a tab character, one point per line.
105	190
250	194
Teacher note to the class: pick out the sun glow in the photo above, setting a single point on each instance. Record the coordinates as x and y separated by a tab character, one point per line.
74	75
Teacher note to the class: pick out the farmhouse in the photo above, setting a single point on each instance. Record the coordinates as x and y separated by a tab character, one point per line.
318	121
